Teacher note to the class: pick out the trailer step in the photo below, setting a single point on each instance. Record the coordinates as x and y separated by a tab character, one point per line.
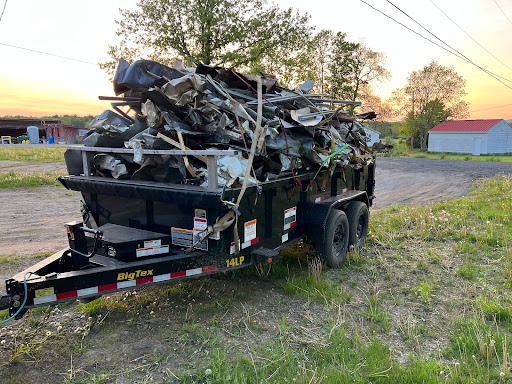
265	256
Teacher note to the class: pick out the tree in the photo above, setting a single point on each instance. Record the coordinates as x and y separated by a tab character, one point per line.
418	124
354	69
231	33
341	67
368	69
320	57
434	81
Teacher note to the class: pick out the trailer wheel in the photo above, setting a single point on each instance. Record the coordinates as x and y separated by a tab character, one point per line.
335	238
358	220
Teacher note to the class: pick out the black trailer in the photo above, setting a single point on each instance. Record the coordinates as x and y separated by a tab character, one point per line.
140	233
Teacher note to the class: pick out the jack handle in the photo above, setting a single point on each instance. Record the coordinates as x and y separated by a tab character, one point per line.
97	241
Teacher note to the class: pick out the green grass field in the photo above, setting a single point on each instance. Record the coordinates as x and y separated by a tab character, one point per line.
399	151
17	180
37	155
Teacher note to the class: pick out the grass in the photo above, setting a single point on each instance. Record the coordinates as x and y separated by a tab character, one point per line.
399	150
36	155
427	300
16	258
466	157
17	180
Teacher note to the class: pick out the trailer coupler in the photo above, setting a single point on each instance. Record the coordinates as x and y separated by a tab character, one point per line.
5	302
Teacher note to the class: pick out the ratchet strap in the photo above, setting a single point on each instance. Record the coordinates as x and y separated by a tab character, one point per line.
232	216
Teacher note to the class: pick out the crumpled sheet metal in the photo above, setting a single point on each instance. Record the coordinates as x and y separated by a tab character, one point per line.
209	107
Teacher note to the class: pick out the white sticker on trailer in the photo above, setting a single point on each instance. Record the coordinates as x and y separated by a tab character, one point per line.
182	237
152	243
199	224
202	245
250	230
141	252
200	213
187	238
284	238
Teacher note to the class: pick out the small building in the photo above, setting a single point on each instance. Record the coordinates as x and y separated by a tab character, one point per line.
61	133
373	135
18	127
65	134
471	136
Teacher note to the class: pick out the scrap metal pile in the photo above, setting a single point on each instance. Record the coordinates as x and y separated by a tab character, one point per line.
215	108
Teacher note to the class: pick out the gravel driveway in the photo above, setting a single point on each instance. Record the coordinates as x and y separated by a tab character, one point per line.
414	181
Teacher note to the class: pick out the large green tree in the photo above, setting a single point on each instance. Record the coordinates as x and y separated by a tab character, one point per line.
433	82
245	34
417	124
341	67
354	69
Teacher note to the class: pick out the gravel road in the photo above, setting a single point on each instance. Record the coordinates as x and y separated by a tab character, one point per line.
414	181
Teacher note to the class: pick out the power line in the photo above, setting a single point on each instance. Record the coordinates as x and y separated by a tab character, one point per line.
433	42
48	54
504	14
486	109
448	45
481	46
5	5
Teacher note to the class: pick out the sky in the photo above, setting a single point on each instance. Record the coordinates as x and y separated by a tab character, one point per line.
37	85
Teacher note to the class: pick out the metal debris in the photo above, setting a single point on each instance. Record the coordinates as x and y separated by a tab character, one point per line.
215	108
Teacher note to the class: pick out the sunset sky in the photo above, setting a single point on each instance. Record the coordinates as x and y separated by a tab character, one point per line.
36	84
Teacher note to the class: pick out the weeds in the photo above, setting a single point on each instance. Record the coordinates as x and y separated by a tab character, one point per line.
319	290
36	155
13	179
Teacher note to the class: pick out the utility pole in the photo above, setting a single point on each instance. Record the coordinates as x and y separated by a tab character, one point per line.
412	128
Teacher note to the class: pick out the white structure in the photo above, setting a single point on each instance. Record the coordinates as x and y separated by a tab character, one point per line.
373	135
33	134
471	136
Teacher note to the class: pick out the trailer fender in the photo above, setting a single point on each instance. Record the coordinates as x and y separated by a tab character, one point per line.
319	212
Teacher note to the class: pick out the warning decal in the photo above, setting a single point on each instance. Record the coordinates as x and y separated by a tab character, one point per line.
200	213
182	237
152	243
290	218
199	223
204	244
250	230
152	250
187	238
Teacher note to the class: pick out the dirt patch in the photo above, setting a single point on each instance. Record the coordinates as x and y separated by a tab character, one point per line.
23	166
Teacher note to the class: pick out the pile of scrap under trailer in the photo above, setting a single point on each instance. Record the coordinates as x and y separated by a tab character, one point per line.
207	108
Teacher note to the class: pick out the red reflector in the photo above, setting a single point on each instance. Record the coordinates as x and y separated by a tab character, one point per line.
254	241
144	280
211	268
178	274
293	224
66	295
107	287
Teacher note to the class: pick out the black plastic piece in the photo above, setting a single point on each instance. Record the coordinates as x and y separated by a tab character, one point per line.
263	255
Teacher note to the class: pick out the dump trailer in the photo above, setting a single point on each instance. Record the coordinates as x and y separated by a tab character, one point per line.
140	233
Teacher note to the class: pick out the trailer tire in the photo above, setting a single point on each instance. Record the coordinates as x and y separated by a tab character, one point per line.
358	220
335	238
